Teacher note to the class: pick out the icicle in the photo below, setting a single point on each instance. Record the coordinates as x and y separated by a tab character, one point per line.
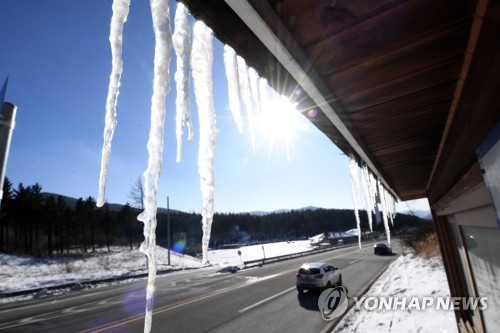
372	184
381	192
246	96
161	86
370	192
353	170
366	191
390	206
181	40
120	13
254	88
391	203
201	62
233	85
264	99
373	188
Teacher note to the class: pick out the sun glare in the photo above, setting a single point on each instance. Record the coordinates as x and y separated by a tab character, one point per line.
277	121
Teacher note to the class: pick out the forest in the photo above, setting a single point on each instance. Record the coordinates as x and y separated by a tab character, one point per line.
36	223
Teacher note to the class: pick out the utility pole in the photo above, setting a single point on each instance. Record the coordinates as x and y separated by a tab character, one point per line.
168	229
7	124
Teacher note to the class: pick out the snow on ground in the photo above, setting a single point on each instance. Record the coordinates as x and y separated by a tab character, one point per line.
19	273
26	272
256	252
407	276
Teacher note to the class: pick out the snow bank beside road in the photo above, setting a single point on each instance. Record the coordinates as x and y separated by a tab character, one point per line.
23	273
256	252
19	273
408	276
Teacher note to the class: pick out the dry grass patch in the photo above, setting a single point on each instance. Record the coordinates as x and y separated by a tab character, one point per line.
423	243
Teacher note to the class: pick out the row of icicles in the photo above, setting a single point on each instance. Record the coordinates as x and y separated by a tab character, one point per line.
194	54
245	87
372	188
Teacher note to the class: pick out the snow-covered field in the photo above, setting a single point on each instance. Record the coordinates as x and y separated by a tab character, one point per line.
24	272
407	276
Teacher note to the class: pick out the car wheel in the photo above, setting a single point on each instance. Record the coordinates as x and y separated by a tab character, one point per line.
328	285
339	282
300	290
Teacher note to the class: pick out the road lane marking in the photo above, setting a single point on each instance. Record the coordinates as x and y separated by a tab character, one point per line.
266	300
196	299
181	304
65	298
352	262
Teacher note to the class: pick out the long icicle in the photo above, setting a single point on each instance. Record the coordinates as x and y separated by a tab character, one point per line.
369	198
233	86
201	62
246	96
353	170
120	13
161	86
263	95
181	40
254	88
381	193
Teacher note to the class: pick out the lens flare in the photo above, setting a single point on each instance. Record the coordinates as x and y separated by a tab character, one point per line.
133	302
150	289
179	246
312	113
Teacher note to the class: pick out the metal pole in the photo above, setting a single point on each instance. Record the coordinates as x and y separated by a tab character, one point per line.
168	229
264	252
7	124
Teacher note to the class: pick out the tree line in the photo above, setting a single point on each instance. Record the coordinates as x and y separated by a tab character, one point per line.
37	223
32	222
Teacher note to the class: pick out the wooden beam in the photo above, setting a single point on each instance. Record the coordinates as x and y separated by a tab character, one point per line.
477	23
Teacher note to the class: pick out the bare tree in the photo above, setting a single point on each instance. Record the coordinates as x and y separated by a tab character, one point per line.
136	194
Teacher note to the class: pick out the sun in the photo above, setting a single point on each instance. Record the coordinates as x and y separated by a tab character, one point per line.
277	121
276	118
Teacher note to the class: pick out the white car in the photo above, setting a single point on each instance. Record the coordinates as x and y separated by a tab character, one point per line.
318	275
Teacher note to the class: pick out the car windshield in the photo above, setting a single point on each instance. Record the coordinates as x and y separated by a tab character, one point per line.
309	271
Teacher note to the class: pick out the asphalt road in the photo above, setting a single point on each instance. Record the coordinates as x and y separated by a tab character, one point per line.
261	299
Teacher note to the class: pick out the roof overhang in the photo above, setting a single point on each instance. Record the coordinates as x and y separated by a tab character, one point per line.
397	83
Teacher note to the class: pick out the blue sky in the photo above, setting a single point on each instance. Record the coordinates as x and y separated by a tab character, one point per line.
58	59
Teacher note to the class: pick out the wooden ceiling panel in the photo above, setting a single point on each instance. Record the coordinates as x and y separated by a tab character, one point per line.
411	103
312	21
390	72
373	126
429	131
478	111
410	58
382	33
389	147
428	78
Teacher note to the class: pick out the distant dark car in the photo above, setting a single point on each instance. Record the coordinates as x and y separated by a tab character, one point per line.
382	248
